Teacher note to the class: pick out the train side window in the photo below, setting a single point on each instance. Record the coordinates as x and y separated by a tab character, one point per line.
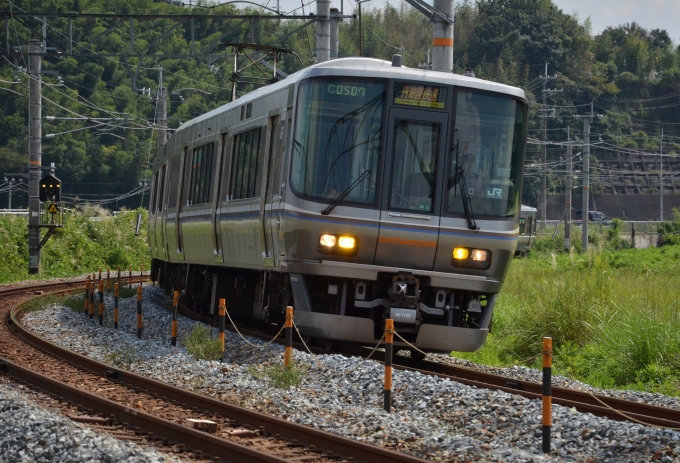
521	226
201	168
245	164
161	189
154	193
174	177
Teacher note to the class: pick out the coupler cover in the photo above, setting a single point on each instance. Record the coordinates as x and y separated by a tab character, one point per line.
403	315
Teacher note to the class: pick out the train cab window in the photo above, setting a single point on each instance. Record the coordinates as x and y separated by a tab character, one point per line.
338	138
201	170
485	163
414	165
245	171
159	190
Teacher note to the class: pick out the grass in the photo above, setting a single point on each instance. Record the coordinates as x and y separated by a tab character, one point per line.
614	316
280	377
199	344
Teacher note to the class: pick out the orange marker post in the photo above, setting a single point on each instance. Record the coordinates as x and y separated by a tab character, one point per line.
115	306
547	393
288	354
141	275
139	311
92	300
389	348
175	302
118	274
108	278
87	292
223	312
101	303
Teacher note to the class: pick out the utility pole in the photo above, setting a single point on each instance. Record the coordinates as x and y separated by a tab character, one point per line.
323	30
544	173
442	36
162	113
586	178
9	199
567	195
34	154
661	176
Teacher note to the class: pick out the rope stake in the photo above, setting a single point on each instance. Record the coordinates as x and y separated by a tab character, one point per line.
87	292
101	302
389	350
139	311
115	305
547	393
288	354
173	335
223	311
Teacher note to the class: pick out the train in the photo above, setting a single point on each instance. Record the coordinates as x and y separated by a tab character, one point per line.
527	229
354	190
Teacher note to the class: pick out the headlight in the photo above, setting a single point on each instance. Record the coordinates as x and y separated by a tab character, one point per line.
347	242
471	258
327	241
341	245
461	253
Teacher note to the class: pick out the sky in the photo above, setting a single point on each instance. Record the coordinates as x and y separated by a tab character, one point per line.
650	14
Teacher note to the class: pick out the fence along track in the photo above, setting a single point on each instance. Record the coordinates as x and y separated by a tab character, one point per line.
299	438
585	402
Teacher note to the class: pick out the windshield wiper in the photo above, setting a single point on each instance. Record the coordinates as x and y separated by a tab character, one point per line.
347	191
459	177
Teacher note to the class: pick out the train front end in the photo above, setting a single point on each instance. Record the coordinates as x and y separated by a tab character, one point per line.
402	202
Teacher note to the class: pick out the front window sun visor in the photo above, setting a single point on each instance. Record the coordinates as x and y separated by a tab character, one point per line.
338	137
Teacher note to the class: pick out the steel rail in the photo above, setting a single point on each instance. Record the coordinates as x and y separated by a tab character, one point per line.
292	431
207	443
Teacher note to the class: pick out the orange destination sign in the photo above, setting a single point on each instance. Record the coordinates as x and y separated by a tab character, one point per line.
427	96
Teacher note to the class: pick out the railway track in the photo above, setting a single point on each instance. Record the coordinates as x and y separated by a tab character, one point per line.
598	405
130	405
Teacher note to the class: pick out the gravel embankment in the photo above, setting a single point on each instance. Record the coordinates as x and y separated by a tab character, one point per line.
29	433
432	418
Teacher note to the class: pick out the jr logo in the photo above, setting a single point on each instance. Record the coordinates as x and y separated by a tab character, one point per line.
494	193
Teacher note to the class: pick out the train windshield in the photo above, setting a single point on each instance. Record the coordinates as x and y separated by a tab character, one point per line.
338	136
486	160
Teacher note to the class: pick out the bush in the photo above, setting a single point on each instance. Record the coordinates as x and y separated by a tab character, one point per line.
199	344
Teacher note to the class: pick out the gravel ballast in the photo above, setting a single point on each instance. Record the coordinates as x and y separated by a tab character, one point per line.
29	433
432	418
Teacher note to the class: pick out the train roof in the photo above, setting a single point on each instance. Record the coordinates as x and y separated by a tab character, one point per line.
363	67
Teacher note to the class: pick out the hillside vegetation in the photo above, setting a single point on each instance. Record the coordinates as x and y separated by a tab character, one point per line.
630	73
91	238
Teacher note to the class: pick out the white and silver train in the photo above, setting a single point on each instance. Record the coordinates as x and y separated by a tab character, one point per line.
355	190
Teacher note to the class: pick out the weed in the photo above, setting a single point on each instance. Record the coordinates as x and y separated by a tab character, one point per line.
121	358
280	377
125	292
75	302
40	303
199	344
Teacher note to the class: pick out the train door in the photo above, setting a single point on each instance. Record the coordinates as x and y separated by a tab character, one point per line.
409	223
180	203
162	212
266	237
217	198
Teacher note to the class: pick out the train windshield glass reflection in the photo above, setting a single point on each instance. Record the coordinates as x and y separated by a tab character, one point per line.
338	136
489	141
